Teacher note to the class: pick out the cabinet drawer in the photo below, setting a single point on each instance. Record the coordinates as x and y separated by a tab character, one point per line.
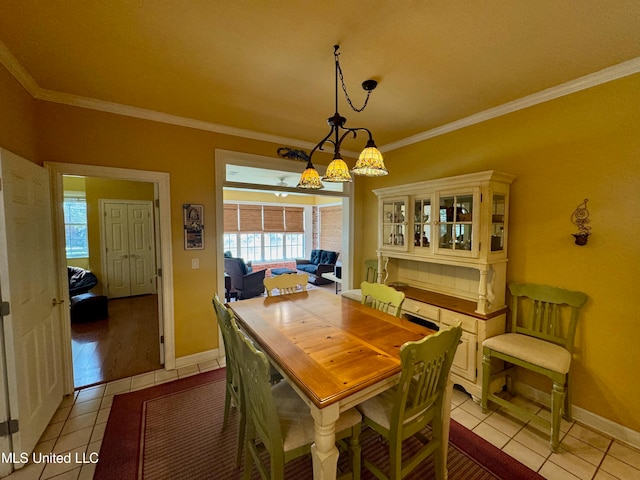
469	324
420	309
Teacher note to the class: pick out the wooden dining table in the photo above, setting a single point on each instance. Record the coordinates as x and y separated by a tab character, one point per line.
335	352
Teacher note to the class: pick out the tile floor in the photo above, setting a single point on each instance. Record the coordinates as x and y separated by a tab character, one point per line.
79	424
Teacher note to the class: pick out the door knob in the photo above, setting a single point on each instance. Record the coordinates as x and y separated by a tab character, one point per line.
55	302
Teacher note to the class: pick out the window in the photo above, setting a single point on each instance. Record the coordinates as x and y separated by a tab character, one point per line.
251	246
231	243
258	233
294	245
273	246
75	226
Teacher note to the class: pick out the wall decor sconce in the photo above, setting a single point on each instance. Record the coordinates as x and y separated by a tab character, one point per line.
580	218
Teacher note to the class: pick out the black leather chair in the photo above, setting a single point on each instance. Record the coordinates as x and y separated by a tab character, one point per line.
244	284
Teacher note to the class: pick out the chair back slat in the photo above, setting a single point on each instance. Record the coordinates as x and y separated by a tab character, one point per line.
545	312
425	369
231	348
371	270
261	411
286	283
382	297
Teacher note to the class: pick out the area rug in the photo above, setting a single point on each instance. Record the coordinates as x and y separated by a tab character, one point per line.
174	431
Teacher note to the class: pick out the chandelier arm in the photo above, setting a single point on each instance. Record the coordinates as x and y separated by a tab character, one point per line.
347	132
321	143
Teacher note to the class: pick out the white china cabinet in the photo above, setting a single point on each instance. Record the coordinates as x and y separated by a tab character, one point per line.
444	243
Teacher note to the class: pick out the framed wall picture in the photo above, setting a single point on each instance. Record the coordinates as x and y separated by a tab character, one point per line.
193	226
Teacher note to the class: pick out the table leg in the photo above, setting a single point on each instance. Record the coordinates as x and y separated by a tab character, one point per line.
324	452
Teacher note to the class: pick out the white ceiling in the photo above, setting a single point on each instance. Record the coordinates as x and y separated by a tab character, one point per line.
264	69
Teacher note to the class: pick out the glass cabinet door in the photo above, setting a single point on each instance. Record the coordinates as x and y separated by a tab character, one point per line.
456	223
394	222
422	219
498	207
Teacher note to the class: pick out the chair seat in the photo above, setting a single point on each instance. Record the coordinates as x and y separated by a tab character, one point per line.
379	408
355	294
296	422
531	350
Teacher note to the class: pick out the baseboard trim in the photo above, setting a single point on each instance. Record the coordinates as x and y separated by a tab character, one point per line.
603	425
196	358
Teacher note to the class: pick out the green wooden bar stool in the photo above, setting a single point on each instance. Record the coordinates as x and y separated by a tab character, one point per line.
233	391
382	297
279	421
543	327
417	401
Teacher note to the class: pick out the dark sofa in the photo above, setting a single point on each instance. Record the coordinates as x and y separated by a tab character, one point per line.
321	261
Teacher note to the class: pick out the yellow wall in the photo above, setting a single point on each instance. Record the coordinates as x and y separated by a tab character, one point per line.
75	135
585	145
17	117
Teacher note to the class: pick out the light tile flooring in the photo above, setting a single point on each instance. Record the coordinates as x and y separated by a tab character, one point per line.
79	424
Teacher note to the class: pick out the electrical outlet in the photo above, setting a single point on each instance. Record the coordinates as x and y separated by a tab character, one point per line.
195	263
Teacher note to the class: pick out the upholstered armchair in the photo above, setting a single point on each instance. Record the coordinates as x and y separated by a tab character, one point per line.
244	284
321	261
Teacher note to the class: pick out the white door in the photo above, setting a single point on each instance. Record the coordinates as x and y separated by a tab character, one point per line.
117	250
28	282
141	255
128	240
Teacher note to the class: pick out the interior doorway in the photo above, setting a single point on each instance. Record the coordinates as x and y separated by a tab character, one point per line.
256	173
109	231
162	301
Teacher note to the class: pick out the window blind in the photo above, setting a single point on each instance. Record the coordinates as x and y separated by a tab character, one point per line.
231	218
250	218
273	218
294	219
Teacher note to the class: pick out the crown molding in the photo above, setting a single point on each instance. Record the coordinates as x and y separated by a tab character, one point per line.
19	73
605	75
145	114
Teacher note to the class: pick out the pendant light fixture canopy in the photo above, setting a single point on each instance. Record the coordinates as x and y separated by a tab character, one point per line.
370	163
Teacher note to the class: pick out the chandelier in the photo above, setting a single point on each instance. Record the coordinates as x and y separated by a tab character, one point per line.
370	162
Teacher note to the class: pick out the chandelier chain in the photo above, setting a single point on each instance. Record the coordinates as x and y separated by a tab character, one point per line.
344	89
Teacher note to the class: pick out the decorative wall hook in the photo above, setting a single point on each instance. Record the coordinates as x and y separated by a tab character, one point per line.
286	152
580	218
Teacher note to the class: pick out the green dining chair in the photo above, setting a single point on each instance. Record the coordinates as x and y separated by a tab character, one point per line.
370	275
279	422
417	401
543	326
382	297
233	391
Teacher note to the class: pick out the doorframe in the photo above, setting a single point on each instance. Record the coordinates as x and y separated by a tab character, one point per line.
163	252
223	158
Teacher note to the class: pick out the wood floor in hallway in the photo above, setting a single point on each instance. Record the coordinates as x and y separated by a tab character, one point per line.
125	344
